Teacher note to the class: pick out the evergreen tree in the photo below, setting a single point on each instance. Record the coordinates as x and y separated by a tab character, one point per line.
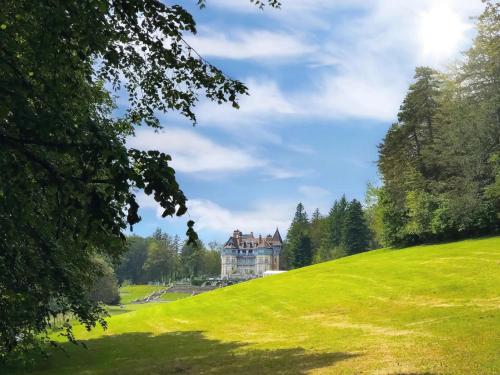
303	251
336	222
298	249
355	232
439	162
316	216
317	230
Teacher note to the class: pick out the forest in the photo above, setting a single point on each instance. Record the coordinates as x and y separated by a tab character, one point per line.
164	258
439	166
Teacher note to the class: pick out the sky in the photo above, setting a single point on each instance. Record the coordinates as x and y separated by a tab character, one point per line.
326	78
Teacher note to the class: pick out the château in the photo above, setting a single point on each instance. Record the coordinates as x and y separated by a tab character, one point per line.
245	256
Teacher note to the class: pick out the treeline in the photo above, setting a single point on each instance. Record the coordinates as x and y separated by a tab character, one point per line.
164	258
344	231
440	163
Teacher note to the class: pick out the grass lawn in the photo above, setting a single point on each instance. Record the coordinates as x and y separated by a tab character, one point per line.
421	310
117	310
132	292
173	296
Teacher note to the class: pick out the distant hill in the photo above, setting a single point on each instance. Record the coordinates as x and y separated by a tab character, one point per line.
419	310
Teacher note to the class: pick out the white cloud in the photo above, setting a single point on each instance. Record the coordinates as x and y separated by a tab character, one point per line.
263	218
306	13
301	148
283	173
192	153
350	95
364	62
256	44
265	101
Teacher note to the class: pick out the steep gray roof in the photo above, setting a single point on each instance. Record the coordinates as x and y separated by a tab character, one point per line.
277	237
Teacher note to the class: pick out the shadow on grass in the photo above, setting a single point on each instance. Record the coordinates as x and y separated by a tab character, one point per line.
179	353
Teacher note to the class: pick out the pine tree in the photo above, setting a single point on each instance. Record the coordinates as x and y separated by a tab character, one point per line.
298	249
336	221
355	232
317	231
303	251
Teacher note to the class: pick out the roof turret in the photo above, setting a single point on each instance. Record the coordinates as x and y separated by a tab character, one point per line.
277	237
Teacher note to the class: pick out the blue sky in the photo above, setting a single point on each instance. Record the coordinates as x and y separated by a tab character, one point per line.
326	78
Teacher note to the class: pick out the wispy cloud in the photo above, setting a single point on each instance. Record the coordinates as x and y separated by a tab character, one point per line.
363	66
197	155
193	153
284	173
265	101
263	217
261	45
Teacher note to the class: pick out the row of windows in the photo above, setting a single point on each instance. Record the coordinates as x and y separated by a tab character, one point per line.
243	261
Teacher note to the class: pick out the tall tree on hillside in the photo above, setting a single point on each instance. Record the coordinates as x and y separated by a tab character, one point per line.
336	221
438	162
320	241
62	152
302	250
355	232
297	247
373	215
317	230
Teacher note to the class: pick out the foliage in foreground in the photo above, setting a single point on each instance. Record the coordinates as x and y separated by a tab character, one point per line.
68	181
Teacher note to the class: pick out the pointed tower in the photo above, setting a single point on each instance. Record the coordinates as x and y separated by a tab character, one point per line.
276	243
277	238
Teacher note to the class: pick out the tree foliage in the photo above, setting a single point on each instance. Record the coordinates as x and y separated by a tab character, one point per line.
343	232
439	163
105	288
163	258
68	182
298	247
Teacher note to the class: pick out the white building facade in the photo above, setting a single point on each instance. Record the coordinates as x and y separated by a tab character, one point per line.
245	256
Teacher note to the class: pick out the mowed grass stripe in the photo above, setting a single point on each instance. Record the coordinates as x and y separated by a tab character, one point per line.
425	309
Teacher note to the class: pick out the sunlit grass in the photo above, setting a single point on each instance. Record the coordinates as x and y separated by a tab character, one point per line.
427	309
131	293
173	296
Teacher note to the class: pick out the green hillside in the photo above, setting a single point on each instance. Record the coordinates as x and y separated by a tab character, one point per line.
421	310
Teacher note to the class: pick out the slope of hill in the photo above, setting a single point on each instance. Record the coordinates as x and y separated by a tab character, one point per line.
420	310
